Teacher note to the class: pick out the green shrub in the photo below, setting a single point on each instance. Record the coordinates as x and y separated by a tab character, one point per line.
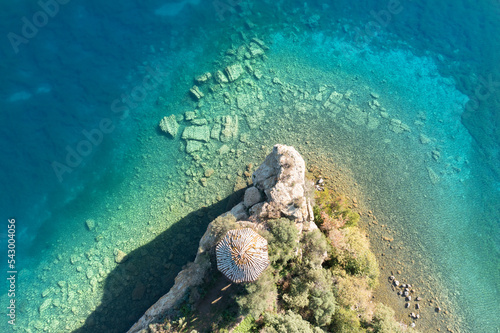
332	209
314	247
357	259
346	321
311	295
383	320
248	325
282	241
353	292
321	306
260	295
221	225
289	322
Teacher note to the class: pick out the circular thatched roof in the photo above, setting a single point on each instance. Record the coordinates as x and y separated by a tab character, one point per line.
242	255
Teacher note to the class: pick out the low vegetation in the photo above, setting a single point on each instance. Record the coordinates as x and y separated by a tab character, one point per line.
318	281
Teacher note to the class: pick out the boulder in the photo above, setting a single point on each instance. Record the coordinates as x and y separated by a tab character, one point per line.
189	115
169	125
221	77
199	133
196	92
239	211
193	146
252	196
256	211
199	121
282	178
215	132
229	128
234	72
204	78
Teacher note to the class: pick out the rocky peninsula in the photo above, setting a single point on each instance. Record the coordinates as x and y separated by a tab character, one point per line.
321	272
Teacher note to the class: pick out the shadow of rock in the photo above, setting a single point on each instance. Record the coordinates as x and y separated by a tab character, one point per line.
149	271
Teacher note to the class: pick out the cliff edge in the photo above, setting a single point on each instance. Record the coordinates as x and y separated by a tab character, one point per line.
279	190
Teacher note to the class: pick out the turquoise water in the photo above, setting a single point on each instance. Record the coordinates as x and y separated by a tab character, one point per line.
425	155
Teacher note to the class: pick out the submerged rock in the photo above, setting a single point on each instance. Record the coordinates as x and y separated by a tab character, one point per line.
90	224
215	132
204	78
169	125
229	128
120	257
398	127
221	77
196	92
234	72
189	115
199	121
193	146
255	50
138	291
45	305
199	133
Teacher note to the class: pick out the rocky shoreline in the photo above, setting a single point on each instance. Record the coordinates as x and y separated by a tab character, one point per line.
279	189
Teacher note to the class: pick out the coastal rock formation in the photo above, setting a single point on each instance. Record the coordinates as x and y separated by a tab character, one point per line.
281	178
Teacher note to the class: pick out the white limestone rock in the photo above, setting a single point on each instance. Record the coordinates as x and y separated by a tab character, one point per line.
282	178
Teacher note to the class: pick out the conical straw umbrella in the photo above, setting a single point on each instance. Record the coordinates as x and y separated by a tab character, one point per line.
242	255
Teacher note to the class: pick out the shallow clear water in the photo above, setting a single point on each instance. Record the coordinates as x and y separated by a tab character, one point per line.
424	156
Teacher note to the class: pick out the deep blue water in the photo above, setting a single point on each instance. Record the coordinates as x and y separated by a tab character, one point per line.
61	80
